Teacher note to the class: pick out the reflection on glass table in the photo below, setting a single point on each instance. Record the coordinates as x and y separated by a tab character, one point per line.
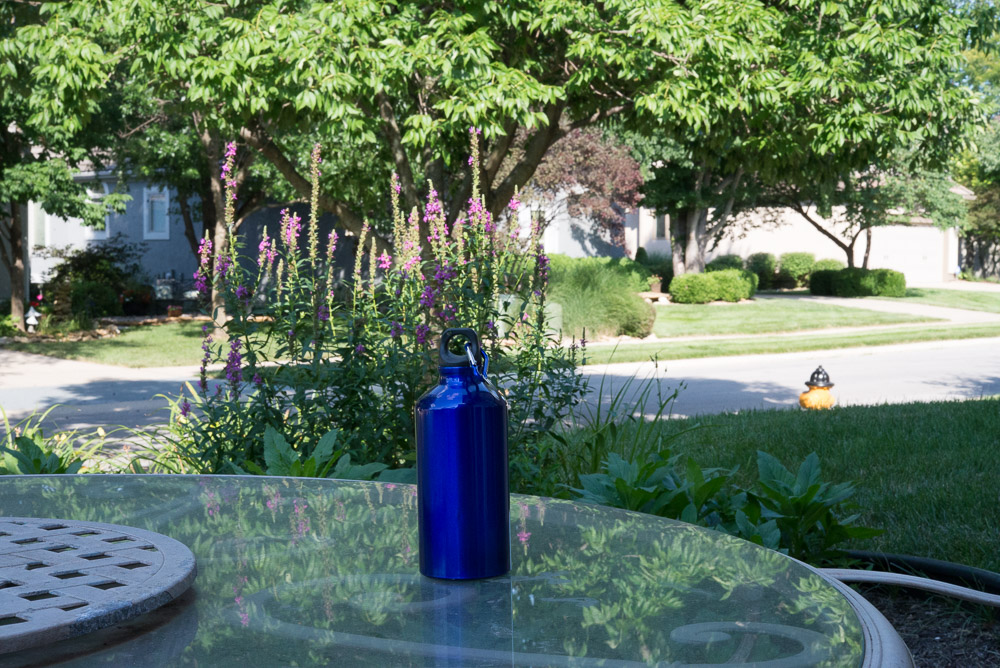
295	571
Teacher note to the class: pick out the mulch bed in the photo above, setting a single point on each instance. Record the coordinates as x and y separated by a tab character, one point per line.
940	632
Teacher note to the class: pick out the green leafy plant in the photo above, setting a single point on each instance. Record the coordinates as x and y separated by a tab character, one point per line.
27	451
811	515
795	514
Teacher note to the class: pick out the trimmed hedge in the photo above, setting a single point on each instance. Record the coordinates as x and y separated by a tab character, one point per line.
765	265
794	269
857	282
725	262
828	265
729	285
821	282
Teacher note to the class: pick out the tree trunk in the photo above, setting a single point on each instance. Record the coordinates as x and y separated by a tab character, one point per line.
678	233
694	255
868	247
16	267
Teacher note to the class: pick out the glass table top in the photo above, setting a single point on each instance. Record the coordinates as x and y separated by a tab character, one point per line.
306	572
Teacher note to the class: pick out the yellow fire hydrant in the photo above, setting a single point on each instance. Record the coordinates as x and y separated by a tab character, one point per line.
818	395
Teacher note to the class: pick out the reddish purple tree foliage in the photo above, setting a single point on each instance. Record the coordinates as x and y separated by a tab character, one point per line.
598	175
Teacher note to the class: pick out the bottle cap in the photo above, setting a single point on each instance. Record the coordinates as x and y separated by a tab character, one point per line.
446	358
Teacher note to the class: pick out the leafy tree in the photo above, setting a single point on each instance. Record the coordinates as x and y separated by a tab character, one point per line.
597	176
817	94
52	76
395	86
978	167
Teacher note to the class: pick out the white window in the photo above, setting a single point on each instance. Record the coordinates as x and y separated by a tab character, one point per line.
661	226
155	222
98	196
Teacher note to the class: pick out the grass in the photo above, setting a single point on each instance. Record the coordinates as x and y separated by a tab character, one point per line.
766	316
171	344
926	472
753	346
973	301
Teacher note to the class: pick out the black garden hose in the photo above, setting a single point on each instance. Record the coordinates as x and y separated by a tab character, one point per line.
943	571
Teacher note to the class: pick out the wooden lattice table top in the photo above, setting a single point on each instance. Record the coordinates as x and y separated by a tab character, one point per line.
63	578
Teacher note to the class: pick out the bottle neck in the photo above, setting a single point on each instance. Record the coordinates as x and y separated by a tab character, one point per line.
456	374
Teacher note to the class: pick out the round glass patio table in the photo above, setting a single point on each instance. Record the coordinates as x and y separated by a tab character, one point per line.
302	572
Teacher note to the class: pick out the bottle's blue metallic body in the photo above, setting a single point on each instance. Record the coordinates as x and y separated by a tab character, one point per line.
462	489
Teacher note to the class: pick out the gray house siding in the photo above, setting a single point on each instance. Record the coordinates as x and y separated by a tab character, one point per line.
150	218
153	218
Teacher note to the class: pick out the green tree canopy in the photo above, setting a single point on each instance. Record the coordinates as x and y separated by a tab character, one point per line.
52	74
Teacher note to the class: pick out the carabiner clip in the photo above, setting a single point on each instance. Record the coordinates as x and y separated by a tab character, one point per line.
472	361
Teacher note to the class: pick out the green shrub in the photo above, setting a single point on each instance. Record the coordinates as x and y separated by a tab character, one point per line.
734	285
827	265
857	282
69	290
729	285
725	262
765	265
600	294
821	282
694	288
794	269
7	327
90	299
641	256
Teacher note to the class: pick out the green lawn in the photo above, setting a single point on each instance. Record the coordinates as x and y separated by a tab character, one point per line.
765	316
926	473
668	350
171	344
973	301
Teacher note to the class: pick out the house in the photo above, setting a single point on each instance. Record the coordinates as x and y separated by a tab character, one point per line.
923	252
152	218
148	218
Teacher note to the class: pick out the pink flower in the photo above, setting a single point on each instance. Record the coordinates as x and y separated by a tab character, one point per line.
515	203
384	261
523	536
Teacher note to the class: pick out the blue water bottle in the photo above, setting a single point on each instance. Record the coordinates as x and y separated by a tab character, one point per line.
462	494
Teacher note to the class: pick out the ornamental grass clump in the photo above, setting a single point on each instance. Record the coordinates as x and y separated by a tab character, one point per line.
352	358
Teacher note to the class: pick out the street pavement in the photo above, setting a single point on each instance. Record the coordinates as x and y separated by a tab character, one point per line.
930	371
90	395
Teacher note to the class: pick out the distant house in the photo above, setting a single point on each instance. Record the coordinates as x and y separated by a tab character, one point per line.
923	252
152	218
147	218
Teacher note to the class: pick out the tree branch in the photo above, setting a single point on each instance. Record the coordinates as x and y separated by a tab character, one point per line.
349	220
534	151
399	156
597	117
